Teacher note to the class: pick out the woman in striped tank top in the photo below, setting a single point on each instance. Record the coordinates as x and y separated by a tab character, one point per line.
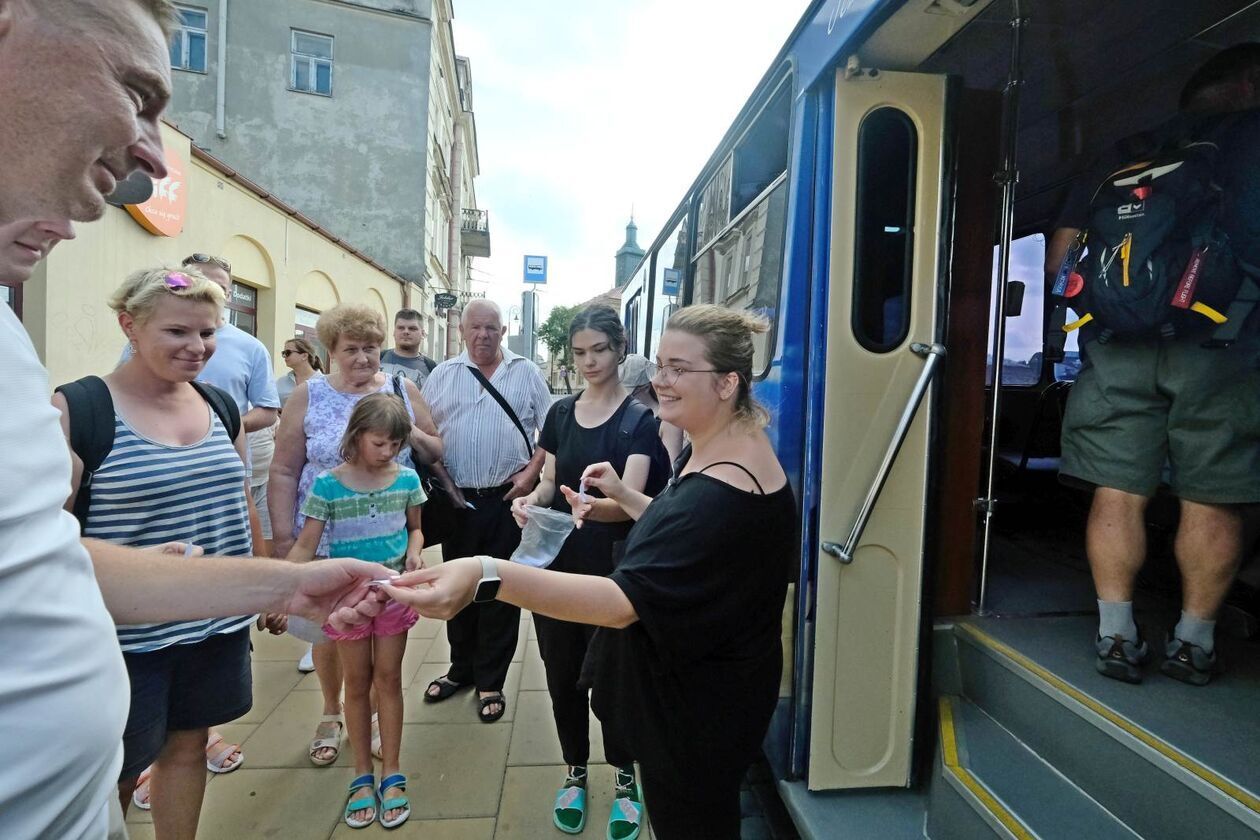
173	474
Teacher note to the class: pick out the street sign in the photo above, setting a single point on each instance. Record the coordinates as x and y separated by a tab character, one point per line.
535	269
673	279
445	300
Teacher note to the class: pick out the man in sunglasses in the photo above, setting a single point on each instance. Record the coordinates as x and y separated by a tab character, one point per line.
85	82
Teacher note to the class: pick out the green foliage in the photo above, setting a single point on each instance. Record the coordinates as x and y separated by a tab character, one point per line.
554	333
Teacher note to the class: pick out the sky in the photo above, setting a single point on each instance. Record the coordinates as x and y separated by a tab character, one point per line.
587	109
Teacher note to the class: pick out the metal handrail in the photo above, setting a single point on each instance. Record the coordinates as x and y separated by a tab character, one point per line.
934	354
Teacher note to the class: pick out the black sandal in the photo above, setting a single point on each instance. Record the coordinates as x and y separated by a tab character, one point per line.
446	688
497	697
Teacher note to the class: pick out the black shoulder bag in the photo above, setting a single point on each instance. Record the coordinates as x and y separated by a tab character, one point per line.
438	516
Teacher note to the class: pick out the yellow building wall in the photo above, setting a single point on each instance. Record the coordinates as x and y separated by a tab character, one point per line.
64	303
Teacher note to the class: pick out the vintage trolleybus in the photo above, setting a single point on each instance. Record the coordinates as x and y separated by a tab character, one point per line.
898	163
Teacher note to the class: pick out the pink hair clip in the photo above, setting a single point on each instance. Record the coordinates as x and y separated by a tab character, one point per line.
177	280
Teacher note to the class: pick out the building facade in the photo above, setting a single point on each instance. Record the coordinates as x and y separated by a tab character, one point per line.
359	112
286	269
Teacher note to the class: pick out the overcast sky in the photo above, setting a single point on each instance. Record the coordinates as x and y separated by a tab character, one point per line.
584	109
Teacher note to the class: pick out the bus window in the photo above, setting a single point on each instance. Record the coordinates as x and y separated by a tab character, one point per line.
762	154
888	146
632	320
1025	338
714	208
744	268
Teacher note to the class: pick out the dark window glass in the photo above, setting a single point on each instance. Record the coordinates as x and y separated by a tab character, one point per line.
884	241
762	154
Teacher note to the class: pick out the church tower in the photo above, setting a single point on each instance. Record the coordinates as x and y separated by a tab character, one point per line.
629	254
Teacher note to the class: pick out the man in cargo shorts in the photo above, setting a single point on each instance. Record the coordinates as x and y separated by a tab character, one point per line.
1138	405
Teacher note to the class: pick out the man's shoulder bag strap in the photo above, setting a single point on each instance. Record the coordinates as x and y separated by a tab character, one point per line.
505	405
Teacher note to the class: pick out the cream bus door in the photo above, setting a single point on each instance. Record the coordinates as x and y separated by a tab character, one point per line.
867	616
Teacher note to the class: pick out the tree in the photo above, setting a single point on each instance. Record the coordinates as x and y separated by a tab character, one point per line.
554	333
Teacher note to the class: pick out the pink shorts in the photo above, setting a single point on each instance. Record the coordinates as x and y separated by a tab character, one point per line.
394	619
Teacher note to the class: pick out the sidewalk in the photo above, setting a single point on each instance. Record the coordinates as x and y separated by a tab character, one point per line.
468	780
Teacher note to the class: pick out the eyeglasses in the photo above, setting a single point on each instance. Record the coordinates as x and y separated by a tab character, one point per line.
177	280
288	353
669	374
203	259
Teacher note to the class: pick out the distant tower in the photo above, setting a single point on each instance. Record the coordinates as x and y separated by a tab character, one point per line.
629	254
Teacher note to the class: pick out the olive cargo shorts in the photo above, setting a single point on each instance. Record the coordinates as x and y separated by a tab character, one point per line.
1139	404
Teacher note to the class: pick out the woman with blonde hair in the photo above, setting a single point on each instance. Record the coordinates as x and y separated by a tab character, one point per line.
697	600
308	443
175	472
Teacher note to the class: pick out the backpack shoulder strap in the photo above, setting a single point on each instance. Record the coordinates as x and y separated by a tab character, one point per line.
630	419
222	404
91	432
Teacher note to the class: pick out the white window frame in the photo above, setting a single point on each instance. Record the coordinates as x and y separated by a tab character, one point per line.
182	32
312	62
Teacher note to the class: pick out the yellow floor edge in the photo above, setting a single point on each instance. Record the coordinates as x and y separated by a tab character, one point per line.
949	752
1165	749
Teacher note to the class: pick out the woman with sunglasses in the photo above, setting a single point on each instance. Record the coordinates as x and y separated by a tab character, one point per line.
303	364
688	671
174	473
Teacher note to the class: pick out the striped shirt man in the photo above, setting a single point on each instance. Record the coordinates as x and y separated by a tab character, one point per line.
483	446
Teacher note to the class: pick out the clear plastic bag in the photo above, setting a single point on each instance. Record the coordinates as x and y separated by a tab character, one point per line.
542	537
306	630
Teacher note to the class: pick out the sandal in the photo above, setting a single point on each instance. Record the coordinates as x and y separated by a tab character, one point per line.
330	742
445	688
569	812
367	780
625	820
376	738
398	780
491	717
217	762
140	796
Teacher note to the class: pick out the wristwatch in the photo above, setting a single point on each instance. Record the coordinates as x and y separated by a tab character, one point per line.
488	586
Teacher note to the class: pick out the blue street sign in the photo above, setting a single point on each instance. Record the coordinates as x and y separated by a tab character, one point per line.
535	269
673	279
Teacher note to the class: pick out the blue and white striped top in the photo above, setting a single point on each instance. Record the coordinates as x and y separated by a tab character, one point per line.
147	493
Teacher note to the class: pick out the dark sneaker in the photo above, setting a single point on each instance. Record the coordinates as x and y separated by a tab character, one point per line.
1120	658
1189	663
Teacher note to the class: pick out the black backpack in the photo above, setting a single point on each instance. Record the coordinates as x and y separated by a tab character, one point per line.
92	427
659	470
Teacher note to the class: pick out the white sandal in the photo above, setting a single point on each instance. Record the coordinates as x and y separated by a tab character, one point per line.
219	762
331	742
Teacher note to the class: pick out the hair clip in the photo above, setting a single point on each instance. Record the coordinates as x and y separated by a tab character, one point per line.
177	280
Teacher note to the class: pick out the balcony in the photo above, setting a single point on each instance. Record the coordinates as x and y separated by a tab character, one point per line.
475	232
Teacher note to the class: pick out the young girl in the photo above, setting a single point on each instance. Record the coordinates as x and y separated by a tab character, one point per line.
371	506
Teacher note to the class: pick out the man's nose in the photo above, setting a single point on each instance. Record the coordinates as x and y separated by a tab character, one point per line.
147	154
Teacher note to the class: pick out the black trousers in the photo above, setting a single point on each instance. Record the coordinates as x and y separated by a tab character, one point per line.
563	646
699	807
483	636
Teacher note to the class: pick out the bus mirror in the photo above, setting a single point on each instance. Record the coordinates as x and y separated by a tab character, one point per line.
1014	298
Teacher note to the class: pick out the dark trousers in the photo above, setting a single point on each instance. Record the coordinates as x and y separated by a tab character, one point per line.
563	647
699	806
483	636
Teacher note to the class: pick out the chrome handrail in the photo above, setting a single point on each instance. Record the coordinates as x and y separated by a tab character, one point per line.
934	353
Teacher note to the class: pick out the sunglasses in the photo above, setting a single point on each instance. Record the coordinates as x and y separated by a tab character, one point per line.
205	259
288	353
177	280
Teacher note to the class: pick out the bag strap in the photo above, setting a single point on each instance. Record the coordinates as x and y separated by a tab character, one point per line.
630	420
91	411
503	403
223	405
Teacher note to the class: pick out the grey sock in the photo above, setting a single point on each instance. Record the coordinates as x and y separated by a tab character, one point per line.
1115	618
1196	631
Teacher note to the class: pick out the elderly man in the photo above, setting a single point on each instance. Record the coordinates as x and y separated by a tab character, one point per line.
488	404
84	84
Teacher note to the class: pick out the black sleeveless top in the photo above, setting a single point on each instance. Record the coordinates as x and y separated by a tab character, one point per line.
693	683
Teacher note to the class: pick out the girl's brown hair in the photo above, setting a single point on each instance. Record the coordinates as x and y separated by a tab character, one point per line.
384	413
728	341
304	347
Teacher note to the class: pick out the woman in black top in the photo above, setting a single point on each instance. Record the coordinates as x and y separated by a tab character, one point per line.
580	431
689	678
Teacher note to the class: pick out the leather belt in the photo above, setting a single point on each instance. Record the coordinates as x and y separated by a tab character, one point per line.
483	492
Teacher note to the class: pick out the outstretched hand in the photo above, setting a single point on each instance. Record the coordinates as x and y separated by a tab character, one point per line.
440	592
337	592
579	505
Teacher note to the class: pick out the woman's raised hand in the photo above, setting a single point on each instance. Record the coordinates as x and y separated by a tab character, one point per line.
440	592
604	478
579	504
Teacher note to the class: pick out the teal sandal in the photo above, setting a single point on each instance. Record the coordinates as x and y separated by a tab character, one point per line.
367	780
398	780
625	820
569	814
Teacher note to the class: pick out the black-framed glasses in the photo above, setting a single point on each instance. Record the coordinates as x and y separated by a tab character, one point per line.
286	353
207	259
668	374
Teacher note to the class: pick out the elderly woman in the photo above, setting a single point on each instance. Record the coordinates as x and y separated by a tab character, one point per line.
174	472
308	442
